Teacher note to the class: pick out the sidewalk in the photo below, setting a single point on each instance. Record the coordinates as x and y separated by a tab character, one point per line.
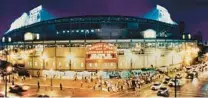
55	83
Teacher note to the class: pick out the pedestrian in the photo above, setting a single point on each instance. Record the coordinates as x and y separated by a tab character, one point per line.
91	79
38	73
61	86
81	83
38	85
12	81
24	77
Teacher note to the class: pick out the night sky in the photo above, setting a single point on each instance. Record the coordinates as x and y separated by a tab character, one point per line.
193	12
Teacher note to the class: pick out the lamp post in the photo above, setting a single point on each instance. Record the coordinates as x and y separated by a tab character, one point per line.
69	64
131	63
175	87
8	70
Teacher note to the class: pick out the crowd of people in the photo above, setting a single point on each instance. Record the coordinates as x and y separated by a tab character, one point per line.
126	84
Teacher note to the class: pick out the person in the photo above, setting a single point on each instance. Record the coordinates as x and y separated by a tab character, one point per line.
24	77
91	79
38	85
81	83
61	86
12	81
38	73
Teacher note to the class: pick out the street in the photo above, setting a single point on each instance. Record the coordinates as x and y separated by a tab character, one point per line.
197	87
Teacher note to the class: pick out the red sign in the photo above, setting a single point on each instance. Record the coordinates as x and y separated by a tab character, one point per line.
101	52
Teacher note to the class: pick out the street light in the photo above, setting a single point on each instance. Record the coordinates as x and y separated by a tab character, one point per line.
8	70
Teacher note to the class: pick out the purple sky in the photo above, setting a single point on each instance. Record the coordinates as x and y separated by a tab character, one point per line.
192	12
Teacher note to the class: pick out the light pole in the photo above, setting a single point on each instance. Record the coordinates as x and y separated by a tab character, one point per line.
175	87
8	70
69	64
131	63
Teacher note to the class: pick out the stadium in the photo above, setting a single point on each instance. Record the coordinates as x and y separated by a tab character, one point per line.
92	43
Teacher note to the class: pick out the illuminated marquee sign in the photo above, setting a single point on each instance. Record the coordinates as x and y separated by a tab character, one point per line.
101	52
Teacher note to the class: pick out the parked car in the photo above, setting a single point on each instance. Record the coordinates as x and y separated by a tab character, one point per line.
43	96
1	95
18	88
192	75
156	86
166	80
163	91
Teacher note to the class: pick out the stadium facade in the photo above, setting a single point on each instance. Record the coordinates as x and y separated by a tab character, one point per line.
94	43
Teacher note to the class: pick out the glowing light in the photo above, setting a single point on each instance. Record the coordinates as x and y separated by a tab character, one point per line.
3	39
149	33
183	37
9	69
44	57
24	56
28	36
38	36
9	39
69	57
189	36
92	30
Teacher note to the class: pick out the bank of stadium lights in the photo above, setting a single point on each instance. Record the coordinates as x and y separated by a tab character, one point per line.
67	31
64	31
72	31
77	31
57	32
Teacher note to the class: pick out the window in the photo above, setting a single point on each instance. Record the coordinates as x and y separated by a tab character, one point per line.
28	36
149	33
9	39
38	36
3	39
189	36
183	36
